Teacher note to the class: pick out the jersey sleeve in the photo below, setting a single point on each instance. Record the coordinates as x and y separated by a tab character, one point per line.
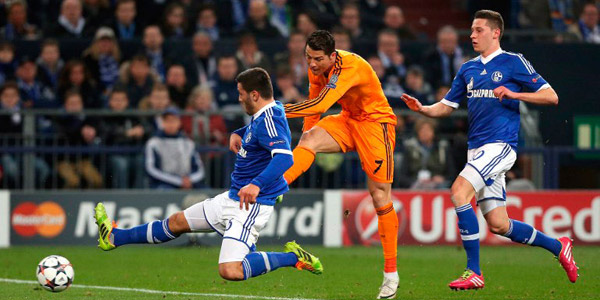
457	91
311	121
340	82
526	76
274	135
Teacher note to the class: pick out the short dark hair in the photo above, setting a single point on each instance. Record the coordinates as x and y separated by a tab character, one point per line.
141	58
50	42
494	19
321	40
256	79
119	2
9	85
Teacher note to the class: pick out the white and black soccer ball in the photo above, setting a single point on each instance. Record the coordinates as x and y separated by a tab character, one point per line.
55	273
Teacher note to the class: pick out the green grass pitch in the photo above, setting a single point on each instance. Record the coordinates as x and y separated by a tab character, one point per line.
350	273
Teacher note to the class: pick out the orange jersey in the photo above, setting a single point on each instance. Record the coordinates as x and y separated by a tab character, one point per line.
352	83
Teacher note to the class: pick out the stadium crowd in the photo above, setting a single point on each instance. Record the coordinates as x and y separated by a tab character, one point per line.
178	59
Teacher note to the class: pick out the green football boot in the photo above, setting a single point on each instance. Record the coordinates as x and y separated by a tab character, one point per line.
105	227
306	261
279	199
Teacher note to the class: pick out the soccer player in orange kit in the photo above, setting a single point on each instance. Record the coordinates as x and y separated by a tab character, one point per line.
365	125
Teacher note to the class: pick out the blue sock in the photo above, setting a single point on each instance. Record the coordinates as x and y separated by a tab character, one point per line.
520	232
154	232
259	263
469	233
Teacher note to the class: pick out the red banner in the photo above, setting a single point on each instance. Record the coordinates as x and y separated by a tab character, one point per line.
429	217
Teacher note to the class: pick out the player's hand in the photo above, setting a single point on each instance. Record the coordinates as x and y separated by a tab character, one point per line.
248	195
502	92
186	183
235	143
412	102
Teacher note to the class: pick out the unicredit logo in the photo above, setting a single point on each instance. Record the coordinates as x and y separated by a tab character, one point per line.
47	219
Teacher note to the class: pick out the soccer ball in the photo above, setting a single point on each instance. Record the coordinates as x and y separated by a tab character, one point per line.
55	273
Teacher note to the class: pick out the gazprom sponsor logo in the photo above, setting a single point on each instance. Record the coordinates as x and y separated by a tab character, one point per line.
481	94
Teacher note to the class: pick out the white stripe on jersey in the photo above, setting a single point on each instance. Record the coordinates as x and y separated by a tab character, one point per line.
523	60
269	124
282	151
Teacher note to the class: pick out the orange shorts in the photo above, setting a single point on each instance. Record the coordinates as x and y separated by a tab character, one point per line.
373	141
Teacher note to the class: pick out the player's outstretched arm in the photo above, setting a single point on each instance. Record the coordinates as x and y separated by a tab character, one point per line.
545	96
436	110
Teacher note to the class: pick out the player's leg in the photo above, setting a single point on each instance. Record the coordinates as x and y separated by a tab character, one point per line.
155	232
328	135
238	259
462	191
499	223
374	143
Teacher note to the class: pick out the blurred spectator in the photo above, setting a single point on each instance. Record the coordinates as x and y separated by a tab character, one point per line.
562	14
285	90
50	64
17	27
76	76
11	131
202	102
443	62
237	13
137	78
390	85
350	21
226	93
124	24
342	38
427	163
534	14
207	22
202	66
78	131
258	23
179	88
294	58
171	158
394	20
416	86
8	63
587	28
71	23
388	50
96	12
372	12
175	23
225	89
326	12
102	59
306	23
153	48
281	16
34	93
157	101
249	56
127	169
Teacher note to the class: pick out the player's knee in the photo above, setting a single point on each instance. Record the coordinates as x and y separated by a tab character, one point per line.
307	140
498	227
380	196
457	195
230	272
178	223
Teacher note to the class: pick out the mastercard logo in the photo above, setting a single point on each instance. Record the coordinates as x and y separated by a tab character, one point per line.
47	219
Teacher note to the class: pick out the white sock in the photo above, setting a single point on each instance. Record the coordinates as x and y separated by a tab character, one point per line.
391	275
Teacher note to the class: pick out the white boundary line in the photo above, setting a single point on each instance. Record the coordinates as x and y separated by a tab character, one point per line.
147	291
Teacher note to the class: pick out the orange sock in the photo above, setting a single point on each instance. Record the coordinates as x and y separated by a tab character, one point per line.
303	159
388	231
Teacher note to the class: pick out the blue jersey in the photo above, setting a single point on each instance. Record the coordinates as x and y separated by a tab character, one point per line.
267	134
490	120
